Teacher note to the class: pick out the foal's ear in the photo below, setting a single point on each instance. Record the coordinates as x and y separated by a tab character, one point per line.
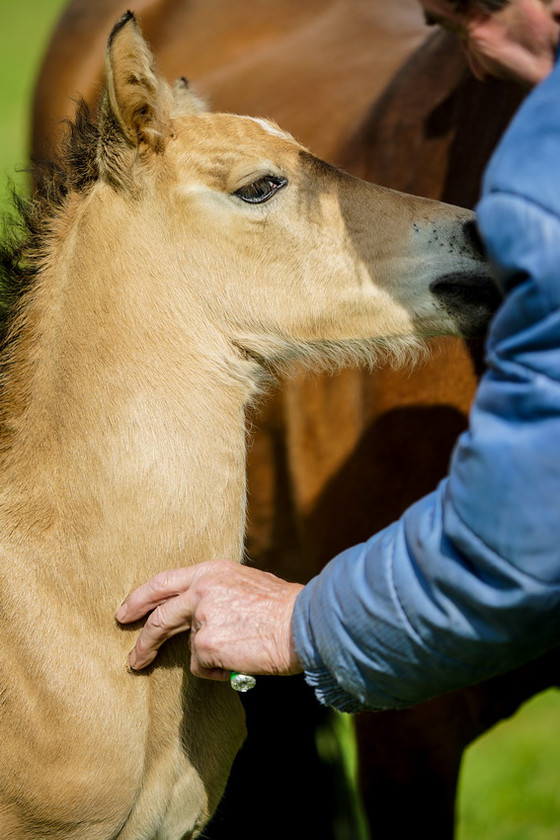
134	115
185	101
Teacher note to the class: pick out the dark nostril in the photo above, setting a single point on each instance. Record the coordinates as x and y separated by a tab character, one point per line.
473	238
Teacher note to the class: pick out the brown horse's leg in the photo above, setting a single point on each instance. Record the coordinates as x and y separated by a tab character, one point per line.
409	765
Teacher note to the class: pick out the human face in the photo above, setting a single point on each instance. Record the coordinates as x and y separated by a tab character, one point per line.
517	42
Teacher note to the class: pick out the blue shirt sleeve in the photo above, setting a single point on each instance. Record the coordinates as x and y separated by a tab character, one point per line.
466	584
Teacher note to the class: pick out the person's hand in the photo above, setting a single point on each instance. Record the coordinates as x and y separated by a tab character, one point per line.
240	619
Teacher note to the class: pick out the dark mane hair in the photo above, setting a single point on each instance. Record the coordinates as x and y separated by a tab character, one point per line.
26	231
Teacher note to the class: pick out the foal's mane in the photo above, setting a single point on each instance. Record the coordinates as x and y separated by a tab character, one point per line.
26	233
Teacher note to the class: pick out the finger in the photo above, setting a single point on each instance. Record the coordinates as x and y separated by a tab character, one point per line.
154	593
206	659
211	673
167	620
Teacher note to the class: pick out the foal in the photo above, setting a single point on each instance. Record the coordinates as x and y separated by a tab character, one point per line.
182	254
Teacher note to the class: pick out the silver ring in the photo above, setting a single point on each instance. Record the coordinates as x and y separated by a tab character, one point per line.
241	682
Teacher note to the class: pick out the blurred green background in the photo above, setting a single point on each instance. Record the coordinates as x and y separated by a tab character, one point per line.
510	782
24	30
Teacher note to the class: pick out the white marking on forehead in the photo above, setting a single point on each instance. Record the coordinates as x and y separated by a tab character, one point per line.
270	128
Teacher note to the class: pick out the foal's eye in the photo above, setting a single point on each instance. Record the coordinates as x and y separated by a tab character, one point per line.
261	190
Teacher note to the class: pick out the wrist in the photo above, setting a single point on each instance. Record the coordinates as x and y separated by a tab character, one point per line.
293	662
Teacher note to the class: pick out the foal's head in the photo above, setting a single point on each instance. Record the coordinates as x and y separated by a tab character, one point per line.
227	237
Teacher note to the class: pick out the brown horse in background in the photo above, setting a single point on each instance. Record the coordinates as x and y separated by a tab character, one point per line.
334	459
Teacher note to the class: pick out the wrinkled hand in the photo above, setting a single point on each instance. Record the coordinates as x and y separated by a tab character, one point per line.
240	619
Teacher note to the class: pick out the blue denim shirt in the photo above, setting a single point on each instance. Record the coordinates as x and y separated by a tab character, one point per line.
466	584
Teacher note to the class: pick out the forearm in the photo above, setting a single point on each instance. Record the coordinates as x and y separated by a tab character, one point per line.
406	616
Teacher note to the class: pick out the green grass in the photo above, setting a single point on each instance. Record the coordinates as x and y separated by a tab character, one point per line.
510	782
24	29
509	787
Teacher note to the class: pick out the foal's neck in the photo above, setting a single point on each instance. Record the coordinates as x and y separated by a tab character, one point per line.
141	479
133	450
